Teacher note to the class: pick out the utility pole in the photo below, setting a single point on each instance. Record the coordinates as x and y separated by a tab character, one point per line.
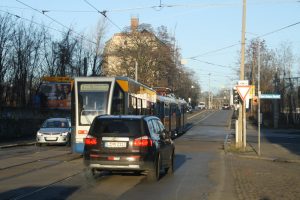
242	109
136	71
209	98
259	93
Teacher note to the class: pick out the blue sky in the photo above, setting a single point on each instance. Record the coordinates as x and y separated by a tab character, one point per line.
199	26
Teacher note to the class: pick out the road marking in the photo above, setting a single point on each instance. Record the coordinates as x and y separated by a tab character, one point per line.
205	117
194	115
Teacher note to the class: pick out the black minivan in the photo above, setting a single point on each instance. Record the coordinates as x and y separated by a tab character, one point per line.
129	143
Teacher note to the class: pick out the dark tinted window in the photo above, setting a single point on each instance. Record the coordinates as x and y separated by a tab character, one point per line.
128	127
161	126
155	125
118	101
152	131
56	124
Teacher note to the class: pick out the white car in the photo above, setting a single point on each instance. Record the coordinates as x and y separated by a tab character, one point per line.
54	131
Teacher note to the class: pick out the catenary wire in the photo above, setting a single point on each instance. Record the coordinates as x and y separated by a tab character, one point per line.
44	13
104	14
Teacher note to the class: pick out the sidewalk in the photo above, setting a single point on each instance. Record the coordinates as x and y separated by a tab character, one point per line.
270	150
272	175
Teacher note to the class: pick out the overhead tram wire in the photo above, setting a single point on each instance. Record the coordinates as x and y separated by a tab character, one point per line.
161	5
230	46
280	29
43	12
209	63
213	51
31	21
104	14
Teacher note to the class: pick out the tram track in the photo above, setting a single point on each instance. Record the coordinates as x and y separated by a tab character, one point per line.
35	191
20	169
13	152
33	161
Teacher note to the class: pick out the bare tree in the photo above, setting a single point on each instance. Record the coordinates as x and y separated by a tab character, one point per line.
25	60
6	33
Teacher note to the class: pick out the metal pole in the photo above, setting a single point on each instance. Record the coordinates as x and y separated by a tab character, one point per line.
242	112
136	71
209	97
258	99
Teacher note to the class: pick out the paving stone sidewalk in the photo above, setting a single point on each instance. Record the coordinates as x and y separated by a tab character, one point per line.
273	175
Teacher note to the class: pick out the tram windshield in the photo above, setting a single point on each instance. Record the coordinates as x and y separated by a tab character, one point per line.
92	101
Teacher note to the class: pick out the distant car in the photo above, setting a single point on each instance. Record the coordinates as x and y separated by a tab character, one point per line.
189	109
201	105
128	143
54	131
225	106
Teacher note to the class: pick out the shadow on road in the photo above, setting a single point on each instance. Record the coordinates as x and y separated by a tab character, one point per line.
289	140
180	159
32	193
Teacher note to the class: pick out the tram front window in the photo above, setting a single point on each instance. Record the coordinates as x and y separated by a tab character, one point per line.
92	101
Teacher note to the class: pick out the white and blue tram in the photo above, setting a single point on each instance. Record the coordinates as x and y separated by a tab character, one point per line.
93	96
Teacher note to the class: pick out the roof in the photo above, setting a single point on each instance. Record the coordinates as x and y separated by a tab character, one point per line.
123	116
57	119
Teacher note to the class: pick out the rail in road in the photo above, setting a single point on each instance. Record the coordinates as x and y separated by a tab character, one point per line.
35	191
19	165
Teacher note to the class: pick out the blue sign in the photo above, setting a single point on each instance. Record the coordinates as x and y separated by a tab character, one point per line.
269	96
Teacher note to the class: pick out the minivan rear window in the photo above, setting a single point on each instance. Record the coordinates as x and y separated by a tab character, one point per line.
116	127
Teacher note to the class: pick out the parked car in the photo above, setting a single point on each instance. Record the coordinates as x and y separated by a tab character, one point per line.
128	143
54	131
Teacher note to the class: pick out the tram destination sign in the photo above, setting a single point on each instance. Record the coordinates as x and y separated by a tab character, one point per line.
270	96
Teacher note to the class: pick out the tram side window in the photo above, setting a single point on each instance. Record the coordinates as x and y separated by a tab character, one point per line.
167	111
149	109
118	101
132	105
139	106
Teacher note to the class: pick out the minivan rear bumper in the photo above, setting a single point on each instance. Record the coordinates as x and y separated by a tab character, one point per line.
119	165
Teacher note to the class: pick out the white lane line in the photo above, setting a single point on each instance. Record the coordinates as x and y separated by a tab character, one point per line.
205	117
195	115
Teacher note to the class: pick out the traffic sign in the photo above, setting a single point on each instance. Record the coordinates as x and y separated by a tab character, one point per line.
269	96
243	82
243	90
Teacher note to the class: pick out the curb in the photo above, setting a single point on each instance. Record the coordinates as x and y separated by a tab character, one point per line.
269	159
16	145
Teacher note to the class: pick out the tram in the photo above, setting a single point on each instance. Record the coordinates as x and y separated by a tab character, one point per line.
93	96
172	111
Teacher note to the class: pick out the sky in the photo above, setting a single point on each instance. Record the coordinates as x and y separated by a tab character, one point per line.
201	27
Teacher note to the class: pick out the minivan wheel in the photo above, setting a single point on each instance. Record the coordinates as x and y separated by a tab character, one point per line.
170	169
154	173
90	174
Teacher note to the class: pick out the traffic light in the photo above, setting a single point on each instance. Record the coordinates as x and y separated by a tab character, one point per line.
255	100
236	97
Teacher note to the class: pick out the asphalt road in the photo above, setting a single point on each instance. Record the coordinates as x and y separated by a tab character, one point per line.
52	172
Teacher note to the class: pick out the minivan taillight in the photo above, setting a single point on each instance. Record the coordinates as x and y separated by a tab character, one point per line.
90	140
143	141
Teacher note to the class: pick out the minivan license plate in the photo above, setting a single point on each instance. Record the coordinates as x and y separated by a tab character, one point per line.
115	144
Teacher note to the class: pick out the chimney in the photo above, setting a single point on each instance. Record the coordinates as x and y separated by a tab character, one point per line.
134	23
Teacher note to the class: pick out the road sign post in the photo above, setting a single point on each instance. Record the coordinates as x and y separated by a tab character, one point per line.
243	89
